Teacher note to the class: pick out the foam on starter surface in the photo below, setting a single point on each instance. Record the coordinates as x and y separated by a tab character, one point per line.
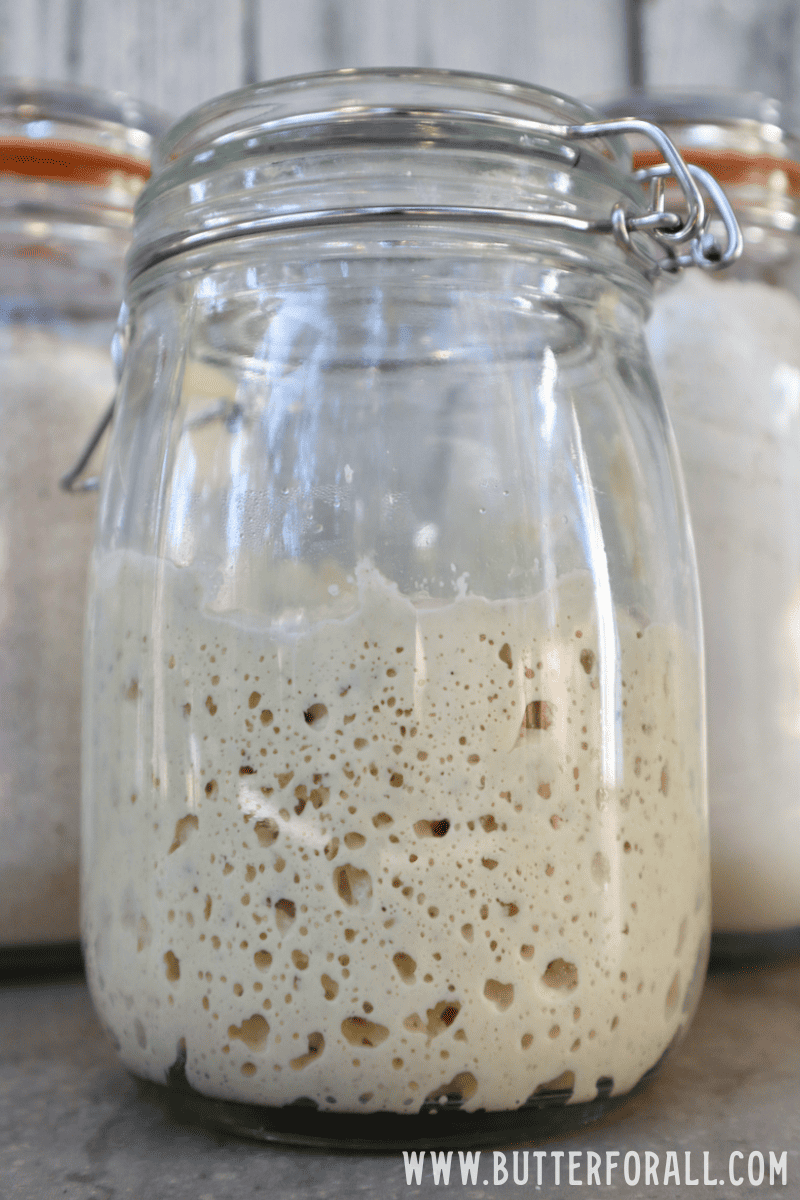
385	859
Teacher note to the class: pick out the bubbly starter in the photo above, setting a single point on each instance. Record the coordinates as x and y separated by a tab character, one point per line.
414	853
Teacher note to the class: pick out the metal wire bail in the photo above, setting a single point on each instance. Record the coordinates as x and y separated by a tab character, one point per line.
704	251
71	481
671	230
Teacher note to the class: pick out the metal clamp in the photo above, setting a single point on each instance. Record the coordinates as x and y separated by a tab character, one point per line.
71	481
673	232
670	229
704	251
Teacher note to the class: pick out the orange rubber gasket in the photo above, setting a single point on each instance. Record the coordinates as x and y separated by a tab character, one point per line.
732	166
67	162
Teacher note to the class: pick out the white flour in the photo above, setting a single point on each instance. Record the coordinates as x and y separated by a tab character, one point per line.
727	355
54	389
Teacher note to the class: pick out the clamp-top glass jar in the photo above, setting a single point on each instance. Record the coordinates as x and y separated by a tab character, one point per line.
727	354
394	791
72	161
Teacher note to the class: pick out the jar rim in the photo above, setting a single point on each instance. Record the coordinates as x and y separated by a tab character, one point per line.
296	99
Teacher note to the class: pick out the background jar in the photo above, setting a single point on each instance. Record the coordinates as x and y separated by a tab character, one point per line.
71	164
727	353
394	779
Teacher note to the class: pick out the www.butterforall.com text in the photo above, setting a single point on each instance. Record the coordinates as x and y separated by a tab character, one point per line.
612	1169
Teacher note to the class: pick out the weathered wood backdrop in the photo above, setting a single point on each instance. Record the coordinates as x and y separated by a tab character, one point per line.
176	53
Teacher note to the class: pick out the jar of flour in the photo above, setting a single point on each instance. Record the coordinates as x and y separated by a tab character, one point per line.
726	349
72	161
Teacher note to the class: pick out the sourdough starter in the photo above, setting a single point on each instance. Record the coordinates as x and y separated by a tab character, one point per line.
392	856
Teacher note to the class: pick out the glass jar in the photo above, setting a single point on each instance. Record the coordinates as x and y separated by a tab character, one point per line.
727	354
394	792
71	164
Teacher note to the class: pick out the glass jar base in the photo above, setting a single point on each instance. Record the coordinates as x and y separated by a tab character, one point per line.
440	1126
773	945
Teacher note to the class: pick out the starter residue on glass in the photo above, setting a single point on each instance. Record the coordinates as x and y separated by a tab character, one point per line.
372	862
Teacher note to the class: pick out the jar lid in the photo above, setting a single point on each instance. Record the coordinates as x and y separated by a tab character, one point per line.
64	148
277	157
